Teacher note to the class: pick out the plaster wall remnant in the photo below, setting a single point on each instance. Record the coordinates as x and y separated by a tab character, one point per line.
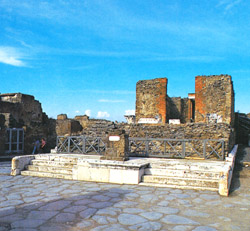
151	101
214	95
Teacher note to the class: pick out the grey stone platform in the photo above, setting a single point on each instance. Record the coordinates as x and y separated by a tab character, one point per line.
181	173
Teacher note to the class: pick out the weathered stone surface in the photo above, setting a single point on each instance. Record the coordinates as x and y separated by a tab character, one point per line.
54	206
23	111
127	219
88	213
152	215
174	219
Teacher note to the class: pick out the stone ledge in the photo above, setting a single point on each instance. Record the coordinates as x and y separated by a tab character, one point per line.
227	173
114	164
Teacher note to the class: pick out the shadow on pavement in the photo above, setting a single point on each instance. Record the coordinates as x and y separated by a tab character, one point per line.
64	213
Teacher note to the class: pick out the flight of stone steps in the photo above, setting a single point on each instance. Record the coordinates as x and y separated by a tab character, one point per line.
54	166
186	174
174	173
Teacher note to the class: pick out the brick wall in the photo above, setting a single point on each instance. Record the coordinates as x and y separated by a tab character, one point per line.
214	95
151	99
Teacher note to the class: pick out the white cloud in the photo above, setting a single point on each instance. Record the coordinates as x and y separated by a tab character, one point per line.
88	112
103	114
130	112
110	101
77	111
10	56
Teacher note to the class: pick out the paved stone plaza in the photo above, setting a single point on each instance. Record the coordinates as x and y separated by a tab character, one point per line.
32	203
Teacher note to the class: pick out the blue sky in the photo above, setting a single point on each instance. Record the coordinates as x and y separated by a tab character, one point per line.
80	57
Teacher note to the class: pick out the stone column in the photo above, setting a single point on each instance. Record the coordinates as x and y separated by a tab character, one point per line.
117	147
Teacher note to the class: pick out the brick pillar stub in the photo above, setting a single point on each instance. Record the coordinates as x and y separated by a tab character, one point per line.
117	146
214	98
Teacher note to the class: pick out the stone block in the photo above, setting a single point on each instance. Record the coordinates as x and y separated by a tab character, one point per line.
19	163
117	147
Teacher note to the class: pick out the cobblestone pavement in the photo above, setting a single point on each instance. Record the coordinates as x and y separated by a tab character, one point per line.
32	203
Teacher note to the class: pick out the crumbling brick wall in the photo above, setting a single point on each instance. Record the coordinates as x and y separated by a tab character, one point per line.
67	127
151	99
82	125
23	108
214	95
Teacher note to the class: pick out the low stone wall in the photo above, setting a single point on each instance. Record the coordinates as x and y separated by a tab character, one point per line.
202	131
185	131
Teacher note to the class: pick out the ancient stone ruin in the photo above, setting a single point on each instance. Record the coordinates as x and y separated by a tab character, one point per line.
22	120
195	132
213	101
206	114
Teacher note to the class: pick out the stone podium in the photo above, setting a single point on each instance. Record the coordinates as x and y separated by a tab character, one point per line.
117	146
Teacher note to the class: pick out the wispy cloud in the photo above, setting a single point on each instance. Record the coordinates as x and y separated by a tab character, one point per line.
228	4
110	101
11	56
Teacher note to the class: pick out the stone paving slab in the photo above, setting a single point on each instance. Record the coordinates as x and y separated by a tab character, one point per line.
32	203
5	167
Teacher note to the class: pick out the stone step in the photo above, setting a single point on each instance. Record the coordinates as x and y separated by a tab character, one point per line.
189	166
181	181
182	173
178	186
59	158
50	169
46	174
58	164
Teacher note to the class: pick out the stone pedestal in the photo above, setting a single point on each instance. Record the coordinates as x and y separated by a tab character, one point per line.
117	147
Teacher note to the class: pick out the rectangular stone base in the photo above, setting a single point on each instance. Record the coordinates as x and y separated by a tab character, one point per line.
109	171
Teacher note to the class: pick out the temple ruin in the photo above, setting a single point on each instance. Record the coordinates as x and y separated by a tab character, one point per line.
206	114
197	134
213	100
